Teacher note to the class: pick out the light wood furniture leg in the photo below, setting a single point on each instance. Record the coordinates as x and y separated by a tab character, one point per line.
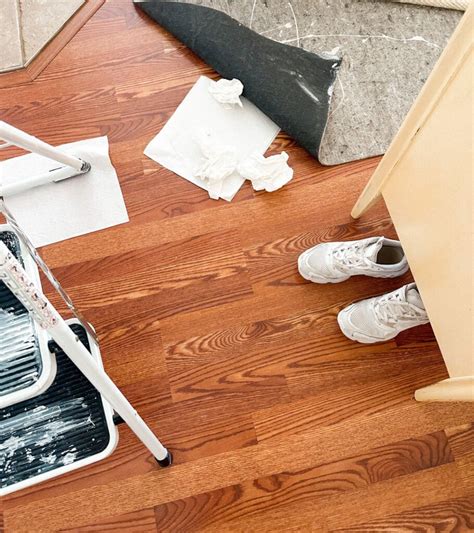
426	180
448	390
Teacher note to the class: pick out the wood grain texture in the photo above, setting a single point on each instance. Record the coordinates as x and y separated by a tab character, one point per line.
248	498
277	422
142	521
367	504
461	439
452	516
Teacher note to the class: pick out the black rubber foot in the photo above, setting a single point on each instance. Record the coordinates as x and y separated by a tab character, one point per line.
167	461
118	419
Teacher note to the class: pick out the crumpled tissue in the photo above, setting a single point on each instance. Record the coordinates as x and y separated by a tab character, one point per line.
266	173
177	146
220	163
227	92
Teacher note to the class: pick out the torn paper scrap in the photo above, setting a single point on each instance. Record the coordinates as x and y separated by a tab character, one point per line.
177	148
266	173
227	92
219	163
76	206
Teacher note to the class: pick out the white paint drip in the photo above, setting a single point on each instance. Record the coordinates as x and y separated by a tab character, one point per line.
252	14
38	415
288	26
17	337
69	458
49	459
296	24
40	427
29	456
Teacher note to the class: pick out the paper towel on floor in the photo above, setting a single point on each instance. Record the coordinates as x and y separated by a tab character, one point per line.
76	206
244	128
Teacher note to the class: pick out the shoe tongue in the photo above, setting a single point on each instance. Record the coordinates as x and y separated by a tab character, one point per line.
413	297
372	250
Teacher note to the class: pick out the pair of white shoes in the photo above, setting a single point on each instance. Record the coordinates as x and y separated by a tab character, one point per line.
377	319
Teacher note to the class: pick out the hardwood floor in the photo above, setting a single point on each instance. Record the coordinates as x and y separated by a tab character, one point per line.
277	422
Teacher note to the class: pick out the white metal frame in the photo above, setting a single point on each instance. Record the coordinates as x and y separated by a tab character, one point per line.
48	372
43	312
47	317
69	165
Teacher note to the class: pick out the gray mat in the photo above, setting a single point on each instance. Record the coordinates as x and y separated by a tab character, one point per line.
388	51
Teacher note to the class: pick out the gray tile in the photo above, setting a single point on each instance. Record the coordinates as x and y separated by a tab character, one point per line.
41	20
10	42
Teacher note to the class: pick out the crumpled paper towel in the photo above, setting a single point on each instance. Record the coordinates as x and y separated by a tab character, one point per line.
227	92
266	173
177	145
76	206
220	163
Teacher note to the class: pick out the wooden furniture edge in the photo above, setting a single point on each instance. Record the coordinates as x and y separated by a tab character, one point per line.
459	389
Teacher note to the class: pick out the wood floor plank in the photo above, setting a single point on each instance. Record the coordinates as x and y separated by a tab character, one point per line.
312	320
202	278
360	368
145	282
341	511
300	213
169	196
263	258
142	521
277	422
450	516
329	408
193	251
461	439
267	493
294	452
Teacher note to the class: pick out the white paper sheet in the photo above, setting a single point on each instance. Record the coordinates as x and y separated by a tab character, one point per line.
176	147
76	206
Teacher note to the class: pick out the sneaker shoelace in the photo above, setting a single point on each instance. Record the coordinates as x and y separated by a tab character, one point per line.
350	256
390	309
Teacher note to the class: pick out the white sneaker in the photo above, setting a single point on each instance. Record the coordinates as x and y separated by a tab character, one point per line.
382	318
337	261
